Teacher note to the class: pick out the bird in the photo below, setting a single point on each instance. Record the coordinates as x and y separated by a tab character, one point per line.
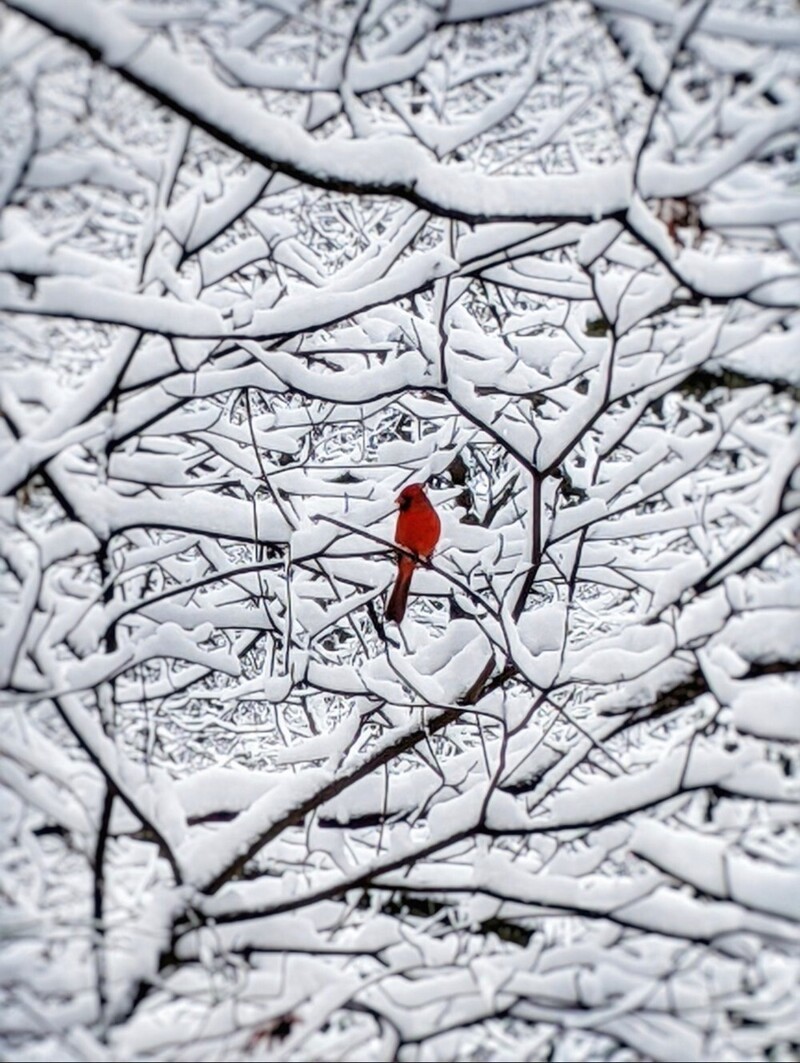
418	528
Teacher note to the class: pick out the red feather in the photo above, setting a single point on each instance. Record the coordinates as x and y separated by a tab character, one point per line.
418	529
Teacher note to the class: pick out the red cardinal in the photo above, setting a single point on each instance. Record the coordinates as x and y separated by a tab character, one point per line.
418	528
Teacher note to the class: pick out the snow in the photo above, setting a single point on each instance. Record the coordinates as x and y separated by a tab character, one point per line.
205	863
769	708
361	76
78	298
632	653
661	178
330	306
380	164
641	789
58	169
240	318
24	251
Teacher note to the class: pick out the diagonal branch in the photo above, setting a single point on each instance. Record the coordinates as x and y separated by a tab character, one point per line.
384	166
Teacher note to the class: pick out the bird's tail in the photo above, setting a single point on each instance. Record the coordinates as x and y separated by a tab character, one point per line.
396	607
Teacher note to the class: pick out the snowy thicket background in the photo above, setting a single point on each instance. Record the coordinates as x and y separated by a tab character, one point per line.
262	263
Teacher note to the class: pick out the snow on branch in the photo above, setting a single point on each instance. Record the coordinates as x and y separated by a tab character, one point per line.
264	267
